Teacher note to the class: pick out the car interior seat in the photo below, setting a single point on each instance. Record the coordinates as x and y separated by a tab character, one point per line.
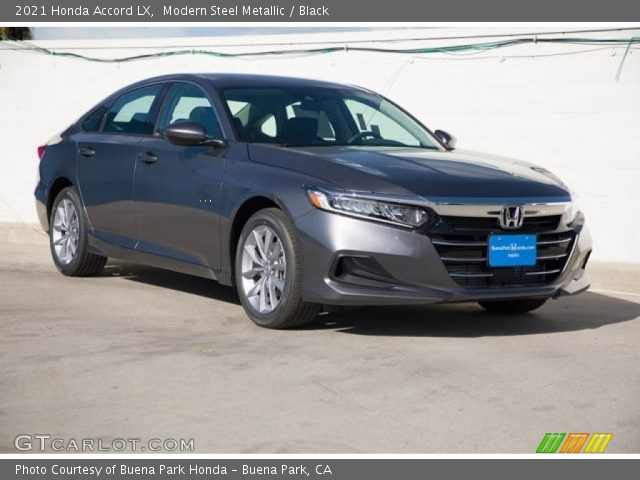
205	117
300	130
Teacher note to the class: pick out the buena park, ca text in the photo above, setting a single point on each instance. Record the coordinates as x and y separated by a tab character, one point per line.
171	470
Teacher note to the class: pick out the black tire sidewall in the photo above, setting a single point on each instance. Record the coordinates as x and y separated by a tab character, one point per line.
290	298
75	265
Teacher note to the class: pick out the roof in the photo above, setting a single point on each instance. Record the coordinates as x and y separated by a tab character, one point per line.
252	80
240	80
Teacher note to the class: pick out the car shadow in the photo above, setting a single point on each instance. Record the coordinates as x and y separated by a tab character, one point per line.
175	281
582	312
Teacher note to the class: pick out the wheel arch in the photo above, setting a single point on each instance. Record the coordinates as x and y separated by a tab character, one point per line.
244	212
56	187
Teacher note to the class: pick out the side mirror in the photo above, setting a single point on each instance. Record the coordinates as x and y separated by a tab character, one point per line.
448	140
186	133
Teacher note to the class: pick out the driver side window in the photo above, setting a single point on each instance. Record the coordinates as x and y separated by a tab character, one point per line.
188	103
368	119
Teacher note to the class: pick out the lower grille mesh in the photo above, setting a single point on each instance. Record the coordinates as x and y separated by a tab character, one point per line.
465	257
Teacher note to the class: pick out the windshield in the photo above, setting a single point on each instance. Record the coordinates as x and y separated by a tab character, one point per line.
322	117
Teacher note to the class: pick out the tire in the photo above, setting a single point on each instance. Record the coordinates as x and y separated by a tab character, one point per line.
68	237
277	303
513	306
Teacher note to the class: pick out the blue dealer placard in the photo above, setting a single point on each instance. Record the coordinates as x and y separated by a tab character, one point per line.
512	250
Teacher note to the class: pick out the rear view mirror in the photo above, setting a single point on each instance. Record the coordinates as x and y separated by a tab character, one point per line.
186	133
448	140
311	105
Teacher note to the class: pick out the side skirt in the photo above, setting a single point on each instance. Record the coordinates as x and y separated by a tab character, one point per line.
100	247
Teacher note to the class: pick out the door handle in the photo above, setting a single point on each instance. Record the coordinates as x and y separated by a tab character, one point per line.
147	157
86	151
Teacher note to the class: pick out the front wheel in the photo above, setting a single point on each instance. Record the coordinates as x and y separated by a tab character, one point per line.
268	270
513	306
68	237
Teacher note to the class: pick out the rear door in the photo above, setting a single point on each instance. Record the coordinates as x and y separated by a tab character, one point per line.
177	188
106	160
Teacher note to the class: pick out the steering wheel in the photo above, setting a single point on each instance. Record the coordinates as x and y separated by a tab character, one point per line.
363	135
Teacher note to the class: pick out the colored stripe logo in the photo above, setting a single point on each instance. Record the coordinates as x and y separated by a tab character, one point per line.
573	442
598	443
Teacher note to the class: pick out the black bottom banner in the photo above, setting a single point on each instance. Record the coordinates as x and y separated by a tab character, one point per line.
320	468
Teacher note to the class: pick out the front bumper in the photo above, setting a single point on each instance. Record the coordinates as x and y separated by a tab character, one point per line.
411	269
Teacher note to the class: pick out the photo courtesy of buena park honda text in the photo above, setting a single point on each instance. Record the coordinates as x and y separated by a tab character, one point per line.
286	239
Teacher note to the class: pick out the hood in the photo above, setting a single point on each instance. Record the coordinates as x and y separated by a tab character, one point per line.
411	171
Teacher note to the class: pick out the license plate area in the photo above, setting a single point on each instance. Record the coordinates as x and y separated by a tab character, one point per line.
512	250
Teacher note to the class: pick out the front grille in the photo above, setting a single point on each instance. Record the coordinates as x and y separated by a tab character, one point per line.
465	257
545	223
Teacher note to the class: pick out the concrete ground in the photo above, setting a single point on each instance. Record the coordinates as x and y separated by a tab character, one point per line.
144	353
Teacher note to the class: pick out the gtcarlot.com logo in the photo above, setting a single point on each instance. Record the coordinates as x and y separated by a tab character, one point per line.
573	443
45	442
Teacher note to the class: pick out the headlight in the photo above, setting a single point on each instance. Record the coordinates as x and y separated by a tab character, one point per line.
574	209
397	214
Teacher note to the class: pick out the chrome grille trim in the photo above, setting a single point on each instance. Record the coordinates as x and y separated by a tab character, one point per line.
493	210
463	259
530	224
547	272
464	255
459	243
552	257
553	242
573	248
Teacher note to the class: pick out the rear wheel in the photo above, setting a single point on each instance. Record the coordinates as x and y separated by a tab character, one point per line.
513	306
68	237
268	270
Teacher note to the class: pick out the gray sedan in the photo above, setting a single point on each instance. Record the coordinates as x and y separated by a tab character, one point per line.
304	195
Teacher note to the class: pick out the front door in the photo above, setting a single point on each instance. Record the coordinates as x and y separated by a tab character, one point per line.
177	188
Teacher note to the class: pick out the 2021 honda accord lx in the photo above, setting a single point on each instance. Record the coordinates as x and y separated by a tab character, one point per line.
304	194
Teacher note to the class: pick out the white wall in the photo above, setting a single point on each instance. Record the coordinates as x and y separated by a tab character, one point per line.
565	112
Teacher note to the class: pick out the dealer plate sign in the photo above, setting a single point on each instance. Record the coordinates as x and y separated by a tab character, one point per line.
512	250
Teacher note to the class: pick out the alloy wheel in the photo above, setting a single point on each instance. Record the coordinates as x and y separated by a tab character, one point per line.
65	232
264	272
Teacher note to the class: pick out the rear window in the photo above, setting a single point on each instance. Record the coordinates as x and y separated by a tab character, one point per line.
130	113
92	121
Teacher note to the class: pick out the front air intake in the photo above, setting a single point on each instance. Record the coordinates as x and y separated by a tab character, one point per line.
465	258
